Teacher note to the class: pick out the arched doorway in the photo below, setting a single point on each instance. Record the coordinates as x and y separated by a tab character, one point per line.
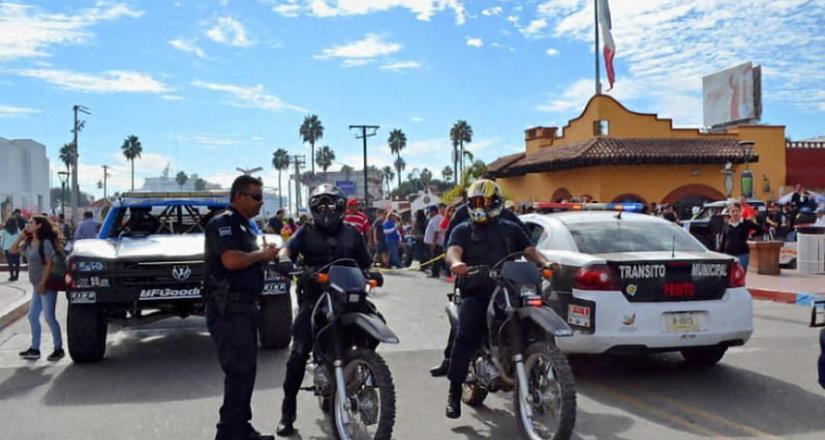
686	197
561	194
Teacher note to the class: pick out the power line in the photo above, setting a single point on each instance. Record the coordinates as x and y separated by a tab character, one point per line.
77	127
299	160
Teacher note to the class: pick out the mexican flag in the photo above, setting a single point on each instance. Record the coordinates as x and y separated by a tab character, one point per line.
609	50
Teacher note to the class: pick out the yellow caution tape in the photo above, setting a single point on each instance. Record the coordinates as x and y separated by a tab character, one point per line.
419	266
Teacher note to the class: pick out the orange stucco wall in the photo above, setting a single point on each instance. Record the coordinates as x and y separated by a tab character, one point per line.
652	182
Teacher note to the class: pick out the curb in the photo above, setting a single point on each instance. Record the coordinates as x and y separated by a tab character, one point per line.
17	310
798	298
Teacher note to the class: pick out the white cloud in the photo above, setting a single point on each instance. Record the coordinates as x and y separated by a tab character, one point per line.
475	42
112	81
120	172
249	97
28	31
417	119
187	46
551	52
424	9
402	65
10	111
291	9
229	31
535	27
496	10
172	97
360	52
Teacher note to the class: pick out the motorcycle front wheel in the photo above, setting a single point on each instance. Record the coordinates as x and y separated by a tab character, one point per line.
551	395
368	409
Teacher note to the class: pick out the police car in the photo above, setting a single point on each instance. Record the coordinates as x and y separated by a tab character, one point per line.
633	283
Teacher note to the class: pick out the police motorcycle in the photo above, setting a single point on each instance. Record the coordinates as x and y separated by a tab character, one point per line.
519	353
352	381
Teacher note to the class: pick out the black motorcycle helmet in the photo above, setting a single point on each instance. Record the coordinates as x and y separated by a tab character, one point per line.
327	204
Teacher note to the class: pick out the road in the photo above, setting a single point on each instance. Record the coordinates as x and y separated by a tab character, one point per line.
164	382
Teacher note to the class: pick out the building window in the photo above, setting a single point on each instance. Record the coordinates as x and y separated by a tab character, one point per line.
601	127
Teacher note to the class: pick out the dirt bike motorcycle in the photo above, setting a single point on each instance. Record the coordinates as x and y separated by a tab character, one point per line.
519	353
352	382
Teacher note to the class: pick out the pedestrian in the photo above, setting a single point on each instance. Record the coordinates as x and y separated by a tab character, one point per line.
421	250
87	228
748	213
357	219
820	216
41	243
381	255
288	229
773	222
432	238
670	214
736	234
277	222
234	279
65	227
8	236
17	215
392	238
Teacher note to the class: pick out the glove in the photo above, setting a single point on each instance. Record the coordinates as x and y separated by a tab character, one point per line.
284	265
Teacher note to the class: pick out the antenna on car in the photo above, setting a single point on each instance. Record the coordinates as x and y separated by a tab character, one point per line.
673	247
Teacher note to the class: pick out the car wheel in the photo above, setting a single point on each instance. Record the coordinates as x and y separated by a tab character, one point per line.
703	356
86	333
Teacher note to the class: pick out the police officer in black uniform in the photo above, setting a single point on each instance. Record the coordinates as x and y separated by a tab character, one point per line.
483	241
325	239
234	278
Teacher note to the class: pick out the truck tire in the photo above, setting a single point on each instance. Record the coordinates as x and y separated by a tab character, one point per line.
276	321
86	330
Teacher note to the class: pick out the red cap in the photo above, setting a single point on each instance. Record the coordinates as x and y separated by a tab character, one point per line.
352	201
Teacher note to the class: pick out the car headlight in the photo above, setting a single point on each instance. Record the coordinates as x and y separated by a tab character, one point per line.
90	266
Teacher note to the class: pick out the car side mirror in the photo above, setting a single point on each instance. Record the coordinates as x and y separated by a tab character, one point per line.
818	314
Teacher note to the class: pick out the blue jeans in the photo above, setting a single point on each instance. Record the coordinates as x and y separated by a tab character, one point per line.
744	259
45	303
392	248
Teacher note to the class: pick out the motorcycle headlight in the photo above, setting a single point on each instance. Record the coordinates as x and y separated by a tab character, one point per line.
90	266
528	291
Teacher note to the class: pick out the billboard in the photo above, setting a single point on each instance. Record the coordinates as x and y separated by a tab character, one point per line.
346	186
732	95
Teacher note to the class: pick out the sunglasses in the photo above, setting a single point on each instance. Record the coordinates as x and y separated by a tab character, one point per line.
255	196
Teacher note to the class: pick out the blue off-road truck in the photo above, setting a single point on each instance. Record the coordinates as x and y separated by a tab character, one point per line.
147	265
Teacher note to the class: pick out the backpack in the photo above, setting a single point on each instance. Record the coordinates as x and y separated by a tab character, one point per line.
57	276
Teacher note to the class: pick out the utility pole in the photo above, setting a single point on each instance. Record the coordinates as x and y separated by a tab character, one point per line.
78	125
364	135
596	26
105	178
299	160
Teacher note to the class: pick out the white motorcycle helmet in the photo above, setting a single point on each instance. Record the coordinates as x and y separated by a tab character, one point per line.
484	200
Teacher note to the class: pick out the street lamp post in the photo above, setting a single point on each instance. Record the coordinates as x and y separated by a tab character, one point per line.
64	177
746	179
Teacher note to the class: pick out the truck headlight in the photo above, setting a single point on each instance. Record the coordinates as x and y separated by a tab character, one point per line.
90	266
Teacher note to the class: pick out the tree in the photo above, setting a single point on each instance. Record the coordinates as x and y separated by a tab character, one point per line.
399	167
461	133
181	178
132	148
388	176
200	184
311	131
469	156
324	158
425	177
66	155
447	173
397	142
347	170
477	170
280	161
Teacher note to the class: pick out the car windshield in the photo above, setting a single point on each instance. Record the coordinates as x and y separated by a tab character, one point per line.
608	236
168	220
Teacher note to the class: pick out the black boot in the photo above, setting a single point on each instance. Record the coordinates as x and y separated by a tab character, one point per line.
255	435
453	410
285	426
441	369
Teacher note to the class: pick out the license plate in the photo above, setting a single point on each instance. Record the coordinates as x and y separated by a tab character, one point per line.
682	322
578	315
274	288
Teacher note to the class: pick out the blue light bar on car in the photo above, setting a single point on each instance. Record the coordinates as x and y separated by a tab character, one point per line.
624	207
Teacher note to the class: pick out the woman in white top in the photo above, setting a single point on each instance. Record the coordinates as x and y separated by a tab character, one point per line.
8	235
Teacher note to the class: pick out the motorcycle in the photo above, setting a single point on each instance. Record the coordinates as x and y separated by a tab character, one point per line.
519	353
351	380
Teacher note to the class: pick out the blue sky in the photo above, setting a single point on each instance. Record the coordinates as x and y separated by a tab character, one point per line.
211	85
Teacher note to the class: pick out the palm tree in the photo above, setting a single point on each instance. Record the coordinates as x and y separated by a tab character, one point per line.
469	156
426	177
181	178
311	131
397	142
399	167
447	173
66	155
347	170
200	184
280	161
388	176
324	158
460	133
132	149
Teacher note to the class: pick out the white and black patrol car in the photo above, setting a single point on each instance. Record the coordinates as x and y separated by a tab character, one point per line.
147	264
632	283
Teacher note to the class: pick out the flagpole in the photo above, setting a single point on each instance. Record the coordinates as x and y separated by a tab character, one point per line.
596	27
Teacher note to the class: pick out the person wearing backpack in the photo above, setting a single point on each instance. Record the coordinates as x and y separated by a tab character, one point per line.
43	248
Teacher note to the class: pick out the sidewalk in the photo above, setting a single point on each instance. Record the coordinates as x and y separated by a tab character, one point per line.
790	287
14	299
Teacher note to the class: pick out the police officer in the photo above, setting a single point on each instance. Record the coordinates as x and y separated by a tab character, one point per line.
325	239
483	241
234	279
462	214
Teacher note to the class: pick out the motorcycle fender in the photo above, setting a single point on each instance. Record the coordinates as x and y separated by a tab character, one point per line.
545	318
452	314
372	325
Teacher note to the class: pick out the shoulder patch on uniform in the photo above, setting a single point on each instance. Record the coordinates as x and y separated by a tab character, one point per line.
225	231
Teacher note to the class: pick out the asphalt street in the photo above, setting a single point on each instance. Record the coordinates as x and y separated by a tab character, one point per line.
163	382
